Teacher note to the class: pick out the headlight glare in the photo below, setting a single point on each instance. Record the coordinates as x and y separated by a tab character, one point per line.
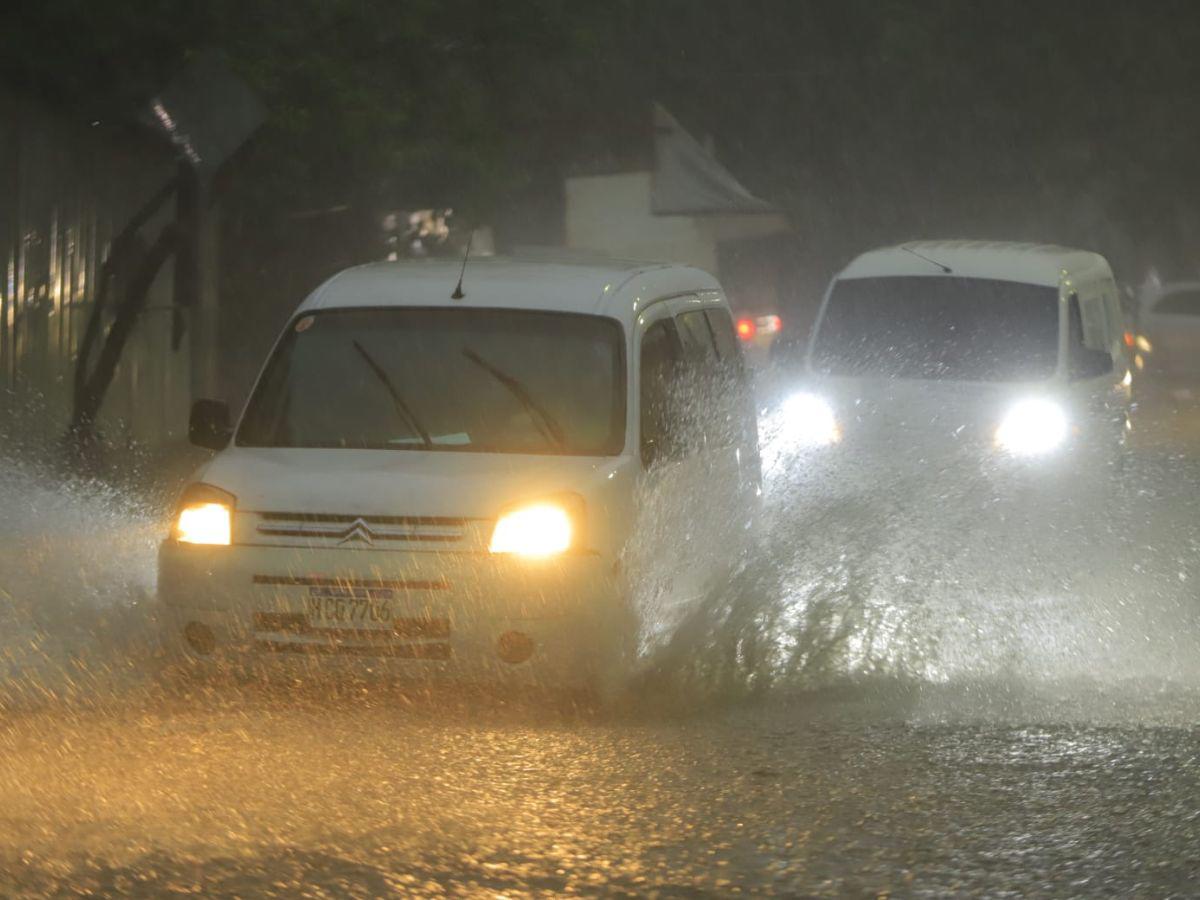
204	523
538	530
204	516
1032	427
809	421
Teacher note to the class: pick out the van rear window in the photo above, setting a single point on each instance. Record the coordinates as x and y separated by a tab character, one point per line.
939	327
462	380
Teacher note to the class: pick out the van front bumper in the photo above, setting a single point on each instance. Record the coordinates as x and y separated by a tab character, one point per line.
459	615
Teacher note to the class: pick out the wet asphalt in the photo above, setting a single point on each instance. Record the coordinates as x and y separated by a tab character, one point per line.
984	789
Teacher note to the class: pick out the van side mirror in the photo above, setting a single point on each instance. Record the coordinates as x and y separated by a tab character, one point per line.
208	424
1088	363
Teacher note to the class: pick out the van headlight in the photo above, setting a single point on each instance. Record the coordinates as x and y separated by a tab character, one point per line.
204	516
538	530
808	421
1032	427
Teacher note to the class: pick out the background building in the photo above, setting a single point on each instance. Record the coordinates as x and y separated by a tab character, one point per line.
67	188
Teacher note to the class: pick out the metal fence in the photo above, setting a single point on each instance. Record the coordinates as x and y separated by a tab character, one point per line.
66	188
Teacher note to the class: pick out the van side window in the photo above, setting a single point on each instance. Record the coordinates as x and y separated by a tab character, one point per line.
1112	312
1083	361
698	346
660	369
738	422
712	389
728	348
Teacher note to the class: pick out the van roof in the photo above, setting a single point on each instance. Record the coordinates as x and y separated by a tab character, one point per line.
1044	264
599	287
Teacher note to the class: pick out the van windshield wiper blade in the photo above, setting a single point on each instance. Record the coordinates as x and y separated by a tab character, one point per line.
542	419
402	408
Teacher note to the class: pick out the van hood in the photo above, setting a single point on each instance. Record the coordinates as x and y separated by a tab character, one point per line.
404	483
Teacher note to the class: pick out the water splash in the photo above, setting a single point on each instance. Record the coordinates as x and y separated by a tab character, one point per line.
954	571
76	582
856	571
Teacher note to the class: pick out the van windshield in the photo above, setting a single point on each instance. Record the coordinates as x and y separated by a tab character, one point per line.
939	327
466	380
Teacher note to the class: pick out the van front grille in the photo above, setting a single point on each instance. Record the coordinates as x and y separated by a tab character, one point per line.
362	532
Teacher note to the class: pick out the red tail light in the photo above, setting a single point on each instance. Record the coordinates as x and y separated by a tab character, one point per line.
769	324
746	329
1129	339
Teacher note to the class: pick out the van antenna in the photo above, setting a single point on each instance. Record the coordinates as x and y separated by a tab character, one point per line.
932	262
458	291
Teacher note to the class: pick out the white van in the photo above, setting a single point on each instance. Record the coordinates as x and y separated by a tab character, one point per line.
1014	350
439	481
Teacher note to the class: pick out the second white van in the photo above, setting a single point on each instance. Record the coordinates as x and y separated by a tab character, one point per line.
1011	350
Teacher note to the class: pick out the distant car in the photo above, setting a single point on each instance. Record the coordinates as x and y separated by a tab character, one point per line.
1166	337
1012	349
758	333
443	485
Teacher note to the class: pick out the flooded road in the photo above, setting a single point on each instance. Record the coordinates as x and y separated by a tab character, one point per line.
964	696
912	792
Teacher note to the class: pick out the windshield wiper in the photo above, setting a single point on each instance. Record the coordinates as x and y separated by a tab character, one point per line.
545	423
402	408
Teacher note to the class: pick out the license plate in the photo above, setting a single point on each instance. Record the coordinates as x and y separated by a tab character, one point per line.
349	607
